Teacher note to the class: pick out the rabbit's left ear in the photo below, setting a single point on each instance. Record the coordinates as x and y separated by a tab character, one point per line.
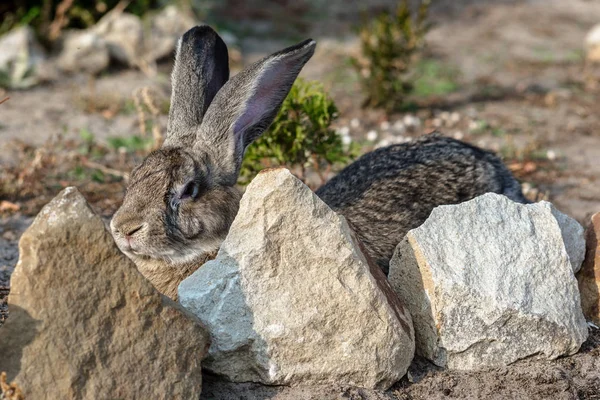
247	104
201	69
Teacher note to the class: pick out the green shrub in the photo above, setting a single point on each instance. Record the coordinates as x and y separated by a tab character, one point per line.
301	137
390	45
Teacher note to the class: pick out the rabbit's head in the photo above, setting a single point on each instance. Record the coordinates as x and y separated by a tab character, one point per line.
182	199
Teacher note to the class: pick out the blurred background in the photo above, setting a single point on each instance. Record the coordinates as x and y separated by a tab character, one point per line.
84	89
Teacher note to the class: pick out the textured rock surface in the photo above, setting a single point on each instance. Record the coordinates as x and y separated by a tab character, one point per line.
85	324
291	299
589	275
123	33
20	57
83	51
488	282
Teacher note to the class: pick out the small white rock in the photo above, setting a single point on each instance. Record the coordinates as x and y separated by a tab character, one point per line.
355	123
385	125
372	136
344	131
455	117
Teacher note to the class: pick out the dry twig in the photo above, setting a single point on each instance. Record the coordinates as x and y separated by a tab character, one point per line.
60	19
4	99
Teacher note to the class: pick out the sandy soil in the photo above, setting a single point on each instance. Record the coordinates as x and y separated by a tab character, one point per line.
521	70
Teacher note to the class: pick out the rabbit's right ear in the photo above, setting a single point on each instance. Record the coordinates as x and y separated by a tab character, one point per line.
246	106
201	69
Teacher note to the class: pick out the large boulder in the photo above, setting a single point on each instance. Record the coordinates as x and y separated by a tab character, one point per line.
124	36
292	299
20	58
83	51
490	281
166	27
589	275
85	324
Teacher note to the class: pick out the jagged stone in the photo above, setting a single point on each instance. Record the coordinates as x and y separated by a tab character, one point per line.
291	298
488	282
85	324
589	275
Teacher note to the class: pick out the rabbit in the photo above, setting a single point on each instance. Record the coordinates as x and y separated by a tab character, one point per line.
391	190
182	199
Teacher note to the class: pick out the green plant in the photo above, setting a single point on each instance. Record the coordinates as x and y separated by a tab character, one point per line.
434	78
390	45
131	144
301	137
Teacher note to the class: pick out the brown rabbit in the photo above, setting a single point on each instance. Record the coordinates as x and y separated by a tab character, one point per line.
183	198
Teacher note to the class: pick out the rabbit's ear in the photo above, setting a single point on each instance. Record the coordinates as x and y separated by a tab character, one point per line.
247	104
201	69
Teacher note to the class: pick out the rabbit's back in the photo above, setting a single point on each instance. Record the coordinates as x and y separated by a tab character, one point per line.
392	190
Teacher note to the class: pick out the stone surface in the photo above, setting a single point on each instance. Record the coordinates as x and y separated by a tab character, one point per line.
85	324
83	51
589	275
572	234
20	58
592	44
488	282
124	36
166	28
291	299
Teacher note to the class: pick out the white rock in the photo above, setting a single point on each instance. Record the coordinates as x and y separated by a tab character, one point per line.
592	43
355	123
372	135
399	127
83	51
385	125
124	36
489	282
291	298
20	57
166	28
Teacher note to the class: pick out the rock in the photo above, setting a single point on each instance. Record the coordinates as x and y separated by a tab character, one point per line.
488	282
291	298
83	51
21	58
592	44
166	28
572	234
124	35
85	324
589	275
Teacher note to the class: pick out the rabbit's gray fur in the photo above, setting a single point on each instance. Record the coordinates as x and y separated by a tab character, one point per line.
391	190
182	199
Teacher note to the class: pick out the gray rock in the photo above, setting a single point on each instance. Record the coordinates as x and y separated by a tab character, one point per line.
572	234
124	36
83	51
488	282
166	28
291	299
20	58
85	324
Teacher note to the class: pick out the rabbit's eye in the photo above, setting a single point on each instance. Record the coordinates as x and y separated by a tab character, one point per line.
190	191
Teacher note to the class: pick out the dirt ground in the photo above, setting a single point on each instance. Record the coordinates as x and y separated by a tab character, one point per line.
522	88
